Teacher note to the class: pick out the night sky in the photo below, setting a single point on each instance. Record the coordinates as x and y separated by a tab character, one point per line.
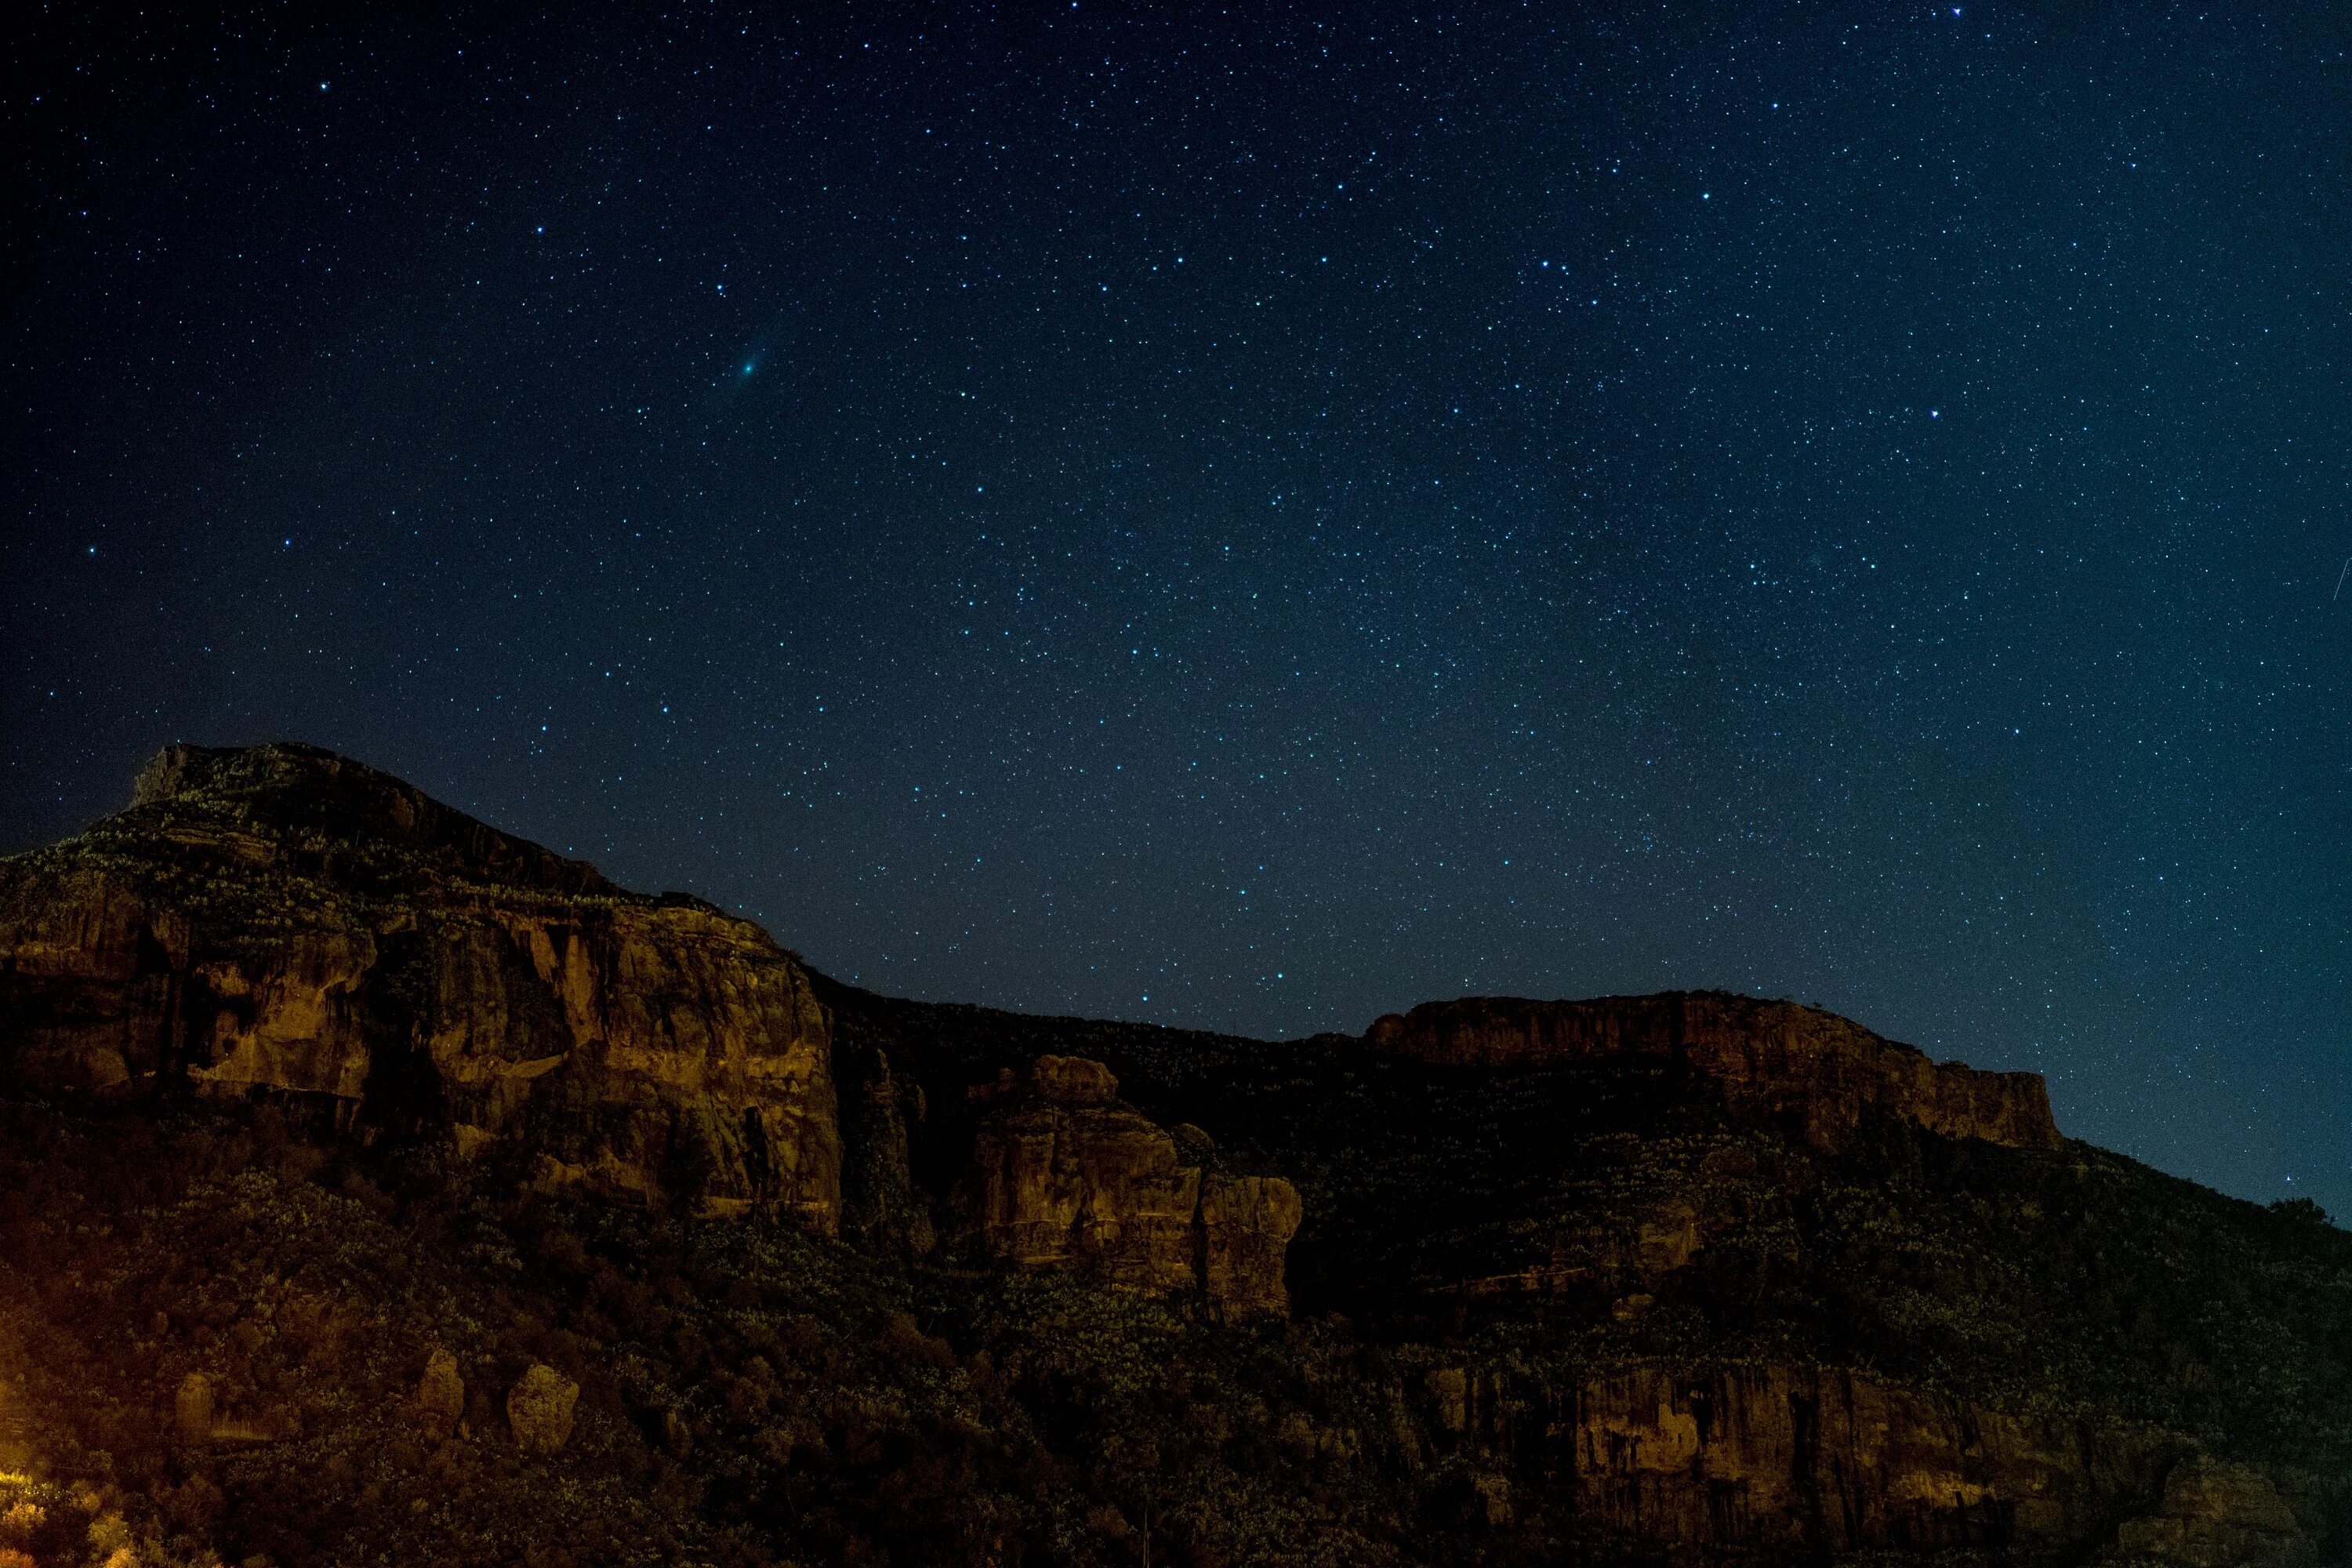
1253	519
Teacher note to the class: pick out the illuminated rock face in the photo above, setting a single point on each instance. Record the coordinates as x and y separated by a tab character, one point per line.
1665	1307
1064	1174
540	1410
283	922
1792	1461
1778	1058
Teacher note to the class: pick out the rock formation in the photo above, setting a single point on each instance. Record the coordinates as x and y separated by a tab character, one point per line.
1590	1281
2216	1515
540	1409
883	1210
1778	1058
192	1408
440	1394
283	922
1786	1460
1063	1173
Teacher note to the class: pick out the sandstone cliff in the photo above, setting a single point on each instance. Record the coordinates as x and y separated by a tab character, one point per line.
1788	1460
1779	1059
282	921
1576	1282
1064	1174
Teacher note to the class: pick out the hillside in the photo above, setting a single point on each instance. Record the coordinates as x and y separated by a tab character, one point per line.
384	1188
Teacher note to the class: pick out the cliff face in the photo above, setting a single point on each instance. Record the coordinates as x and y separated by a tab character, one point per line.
2216	1515
1576	1282
1064	1174
1778	1058
1790	1460
282	921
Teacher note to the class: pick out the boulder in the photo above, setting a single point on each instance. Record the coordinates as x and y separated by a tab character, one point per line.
540	1408
2216	1515
440	1394
1073	1080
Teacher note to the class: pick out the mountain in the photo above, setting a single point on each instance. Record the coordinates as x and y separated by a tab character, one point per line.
376	1186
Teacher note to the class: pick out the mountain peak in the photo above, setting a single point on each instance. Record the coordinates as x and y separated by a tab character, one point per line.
284	786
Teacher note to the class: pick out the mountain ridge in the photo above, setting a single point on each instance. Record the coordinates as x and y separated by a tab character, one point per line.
1694	1276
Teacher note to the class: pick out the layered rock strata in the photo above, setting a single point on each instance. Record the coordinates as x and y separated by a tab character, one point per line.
1778	1058
283	922
1064	1174
1785	1459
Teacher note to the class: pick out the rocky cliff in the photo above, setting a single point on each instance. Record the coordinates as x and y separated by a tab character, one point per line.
1703	1279
283	922
1798	1460
1063	1173
386	1189
1780	1058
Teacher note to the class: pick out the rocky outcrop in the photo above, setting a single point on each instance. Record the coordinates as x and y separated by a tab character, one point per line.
1788	1460
540	1409
1064	1174
440	1399
1778	1058
1564	1306
2216	1515
883	1209
1244	1225
284	921
192	1408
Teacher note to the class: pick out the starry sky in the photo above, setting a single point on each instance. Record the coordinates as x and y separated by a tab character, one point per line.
1254	518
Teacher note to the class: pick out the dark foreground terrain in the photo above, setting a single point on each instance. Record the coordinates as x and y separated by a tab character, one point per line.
375	1188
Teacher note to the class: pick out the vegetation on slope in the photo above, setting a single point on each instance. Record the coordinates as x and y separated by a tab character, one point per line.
752	1394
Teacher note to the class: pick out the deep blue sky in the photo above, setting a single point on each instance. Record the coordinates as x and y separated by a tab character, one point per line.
1251	519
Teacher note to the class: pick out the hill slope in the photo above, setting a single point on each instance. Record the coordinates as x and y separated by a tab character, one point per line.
387	1188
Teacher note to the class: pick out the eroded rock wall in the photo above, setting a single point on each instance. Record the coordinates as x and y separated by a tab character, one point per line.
286	922
1778	1057
1790	1460
91	980
1063	1173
